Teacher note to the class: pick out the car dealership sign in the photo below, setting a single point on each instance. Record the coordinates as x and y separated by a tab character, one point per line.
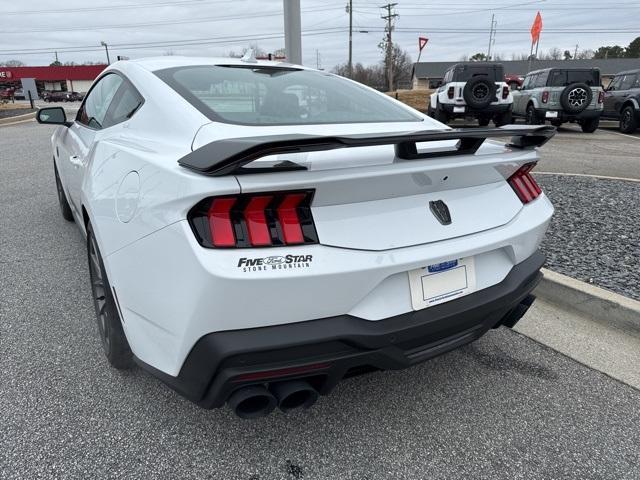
5	74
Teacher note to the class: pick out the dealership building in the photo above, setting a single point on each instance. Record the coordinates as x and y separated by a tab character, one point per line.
76	78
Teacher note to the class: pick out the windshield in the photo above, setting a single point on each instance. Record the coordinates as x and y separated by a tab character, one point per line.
563	78
265	95
464	73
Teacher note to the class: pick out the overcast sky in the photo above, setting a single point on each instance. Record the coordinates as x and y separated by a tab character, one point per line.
31	29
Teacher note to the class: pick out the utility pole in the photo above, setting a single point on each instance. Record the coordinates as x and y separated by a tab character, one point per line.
575	52
106	49
389	18
492	36
318	64
350	11
292	31
56	57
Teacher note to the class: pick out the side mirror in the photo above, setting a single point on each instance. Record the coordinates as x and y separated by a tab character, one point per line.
52	116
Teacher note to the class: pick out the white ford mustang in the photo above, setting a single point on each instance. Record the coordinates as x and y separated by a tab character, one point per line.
257	231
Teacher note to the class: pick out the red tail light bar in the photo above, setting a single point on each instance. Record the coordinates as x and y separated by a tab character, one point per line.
505	92
524	184
601	96
269	219
545	96
451	92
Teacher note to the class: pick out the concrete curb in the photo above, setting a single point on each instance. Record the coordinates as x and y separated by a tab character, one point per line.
18	118
601	305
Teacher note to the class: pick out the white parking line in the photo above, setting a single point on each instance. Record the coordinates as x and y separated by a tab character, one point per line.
621	134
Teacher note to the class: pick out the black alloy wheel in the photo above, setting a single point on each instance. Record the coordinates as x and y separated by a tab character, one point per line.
114	342
628	120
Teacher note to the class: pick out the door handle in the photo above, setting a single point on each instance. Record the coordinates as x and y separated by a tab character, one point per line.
75	160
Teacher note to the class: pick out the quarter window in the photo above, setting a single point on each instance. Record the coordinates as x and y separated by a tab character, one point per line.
124	105
95	107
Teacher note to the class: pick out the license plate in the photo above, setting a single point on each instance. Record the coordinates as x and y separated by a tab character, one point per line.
552	114
442	282
458	109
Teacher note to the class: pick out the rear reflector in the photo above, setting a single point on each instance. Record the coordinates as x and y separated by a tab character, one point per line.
524	184
545	96
281	372
254	220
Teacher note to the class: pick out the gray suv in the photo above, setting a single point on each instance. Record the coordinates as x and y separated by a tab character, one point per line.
561	95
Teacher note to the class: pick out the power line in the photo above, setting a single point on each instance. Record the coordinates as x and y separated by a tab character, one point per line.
110	7
215	19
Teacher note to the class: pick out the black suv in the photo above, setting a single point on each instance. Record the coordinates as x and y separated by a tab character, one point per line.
622	100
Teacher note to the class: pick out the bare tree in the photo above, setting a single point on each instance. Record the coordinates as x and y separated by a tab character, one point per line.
12	63
555	53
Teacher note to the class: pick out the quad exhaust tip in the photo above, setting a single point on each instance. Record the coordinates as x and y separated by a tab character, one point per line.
294	394
256	401
253	401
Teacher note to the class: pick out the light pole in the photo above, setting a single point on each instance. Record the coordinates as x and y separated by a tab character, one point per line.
106	49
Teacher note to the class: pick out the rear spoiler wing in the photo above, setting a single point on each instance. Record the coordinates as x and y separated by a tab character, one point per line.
227	157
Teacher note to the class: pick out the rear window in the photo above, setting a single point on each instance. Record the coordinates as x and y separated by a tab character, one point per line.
562	78
464	73
265	95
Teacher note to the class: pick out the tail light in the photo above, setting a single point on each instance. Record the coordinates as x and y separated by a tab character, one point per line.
545	96
451	92
505	92
601	96
524	184
269	219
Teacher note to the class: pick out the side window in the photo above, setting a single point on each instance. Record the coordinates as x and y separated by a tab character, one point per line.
541	79
636	83
526	82
557	78
615	83
95	107
627	81
124	105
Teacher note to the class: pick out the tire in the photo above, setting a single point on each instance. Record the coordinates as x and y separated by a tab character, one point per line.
483	121
628	120
479	92
502	119
65	208
114	342
589	125
531	116
576	97
440	115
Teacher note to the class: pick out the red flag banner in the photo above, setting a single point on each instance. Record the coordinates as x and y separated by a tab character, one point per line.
536	28
422	42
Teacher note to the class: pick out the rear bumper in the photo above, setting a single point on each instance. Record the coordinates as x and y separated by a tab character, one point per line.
346	345
567	117
469	111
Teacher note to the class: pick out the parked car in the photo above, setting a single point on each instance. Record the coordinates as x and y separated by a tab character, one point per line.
472	90
622	100
7	93
56	96
73	97
251	250
514	81
561	95
18	94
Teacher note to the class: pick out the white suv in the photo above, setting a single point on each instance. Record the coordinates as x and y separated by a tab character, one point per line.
473	89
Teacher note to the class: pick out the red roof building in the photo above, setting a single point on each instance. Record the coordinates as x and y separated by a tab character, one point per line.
76	78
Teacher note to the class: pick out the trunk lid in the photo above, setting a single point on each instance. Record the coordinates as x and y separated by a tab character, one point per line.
366	198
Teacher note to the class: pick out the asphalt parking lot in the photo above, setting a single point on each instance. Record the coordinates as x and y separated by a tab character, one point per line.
504	407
